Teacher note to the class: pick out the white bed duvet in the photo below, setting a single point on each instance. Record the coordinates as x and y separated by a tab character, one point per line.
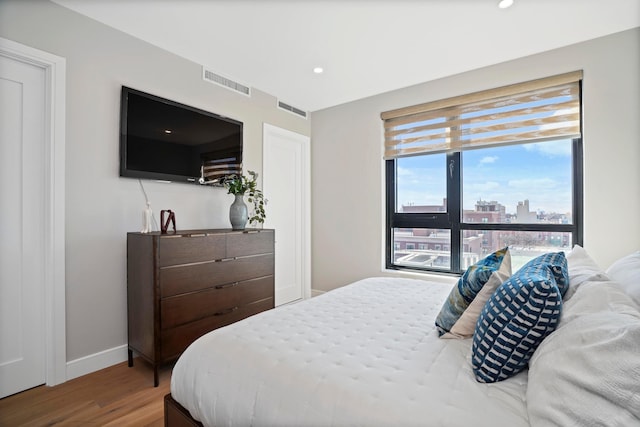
367	354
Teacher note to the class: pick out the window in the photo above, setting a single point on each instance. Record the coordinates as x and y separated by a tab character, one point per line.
469	175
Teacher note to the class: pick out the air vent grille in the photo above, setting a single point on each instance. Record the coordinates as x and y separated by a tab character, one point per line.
212	77
292	109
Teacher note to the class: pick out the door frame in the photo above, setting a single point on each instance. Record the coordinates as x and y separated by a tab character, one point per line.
270	131
54	228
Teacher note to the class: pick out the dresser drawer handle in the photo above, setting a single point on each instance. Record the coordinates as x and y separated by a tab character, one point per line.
227	311
228	285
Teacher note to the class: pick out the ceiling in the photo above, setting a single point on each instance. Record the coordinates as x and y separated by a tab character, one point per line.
366	47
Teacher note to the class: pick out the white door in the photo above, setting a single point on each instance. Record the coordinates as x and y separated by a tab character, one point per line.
286	187
22	207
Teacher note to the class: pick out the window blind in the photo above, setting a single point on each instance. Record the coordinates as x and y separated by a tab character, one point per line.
533	111
213	171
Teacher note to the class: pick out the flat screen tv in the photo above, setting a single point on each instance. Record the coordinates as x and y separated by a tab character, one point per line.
169	141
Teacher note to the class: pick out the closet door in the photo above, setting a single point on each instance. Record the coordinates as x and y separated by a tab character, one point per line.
22	246
286	185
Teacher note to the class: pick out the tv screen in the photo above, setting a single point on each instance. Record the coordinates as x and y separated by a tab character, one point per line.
165	140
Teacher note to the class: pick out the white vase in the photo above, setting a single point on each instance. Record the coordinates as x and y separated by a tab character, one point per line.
238	213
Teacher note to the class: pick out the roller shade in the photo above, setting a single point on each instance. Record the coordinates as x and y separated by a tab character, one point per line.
533	111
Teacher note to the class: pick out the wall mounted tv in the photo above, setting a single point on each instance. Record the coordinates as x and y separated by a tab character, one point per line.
165	140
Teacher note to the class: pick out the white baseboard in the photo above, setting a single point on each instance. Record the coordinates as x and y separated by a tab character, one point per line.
94	362
316	292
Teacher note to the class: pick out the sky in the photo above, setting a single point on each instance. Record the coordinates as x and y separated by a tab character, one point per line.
539	172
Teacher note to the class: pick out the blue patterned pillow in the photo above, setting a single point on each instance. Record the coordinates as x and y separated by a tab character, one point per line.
458	316
557	262
518	316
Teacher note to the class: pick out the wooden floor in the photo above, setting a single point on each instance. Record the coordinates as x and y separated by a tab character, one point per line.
115	396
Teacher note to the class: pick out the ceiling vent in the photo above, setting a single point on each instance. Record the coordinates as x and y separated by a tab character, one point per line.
291	109
211	77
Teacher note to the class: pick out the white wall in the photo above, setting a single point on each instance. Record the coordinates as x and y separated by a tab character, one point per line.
101	207
347	173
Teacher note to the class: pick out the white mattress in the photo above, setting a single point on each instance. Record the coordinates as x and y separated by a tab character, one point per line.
366	354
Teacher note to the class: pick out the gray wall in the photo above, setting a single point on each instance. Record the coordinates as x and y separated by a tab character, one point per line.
101	207
347	166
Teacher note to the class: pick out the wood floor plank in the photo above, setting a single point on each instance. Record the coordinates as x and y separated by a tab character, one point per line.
115	396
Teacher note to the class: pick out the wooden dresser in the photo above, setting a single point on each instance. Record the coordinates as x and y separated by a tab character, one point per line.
184	284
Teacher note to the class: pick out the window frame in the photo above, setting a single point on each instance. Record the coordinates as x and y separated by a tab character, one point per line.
452	218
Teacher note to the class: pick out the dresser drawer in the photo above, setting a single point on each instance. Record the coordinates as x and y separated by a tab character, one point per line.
185	308
175	250
249	243
176	340
189	278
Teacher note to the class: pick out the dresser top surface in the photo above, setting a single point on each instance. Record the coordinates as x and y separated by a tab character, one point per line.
206	231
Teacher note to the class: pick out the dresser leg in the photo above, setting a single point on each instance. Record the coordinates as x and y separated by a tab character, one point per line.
130	357
155	376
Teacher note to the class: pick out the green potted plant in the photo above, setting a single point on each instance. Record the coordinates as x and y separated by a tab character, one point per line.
240	186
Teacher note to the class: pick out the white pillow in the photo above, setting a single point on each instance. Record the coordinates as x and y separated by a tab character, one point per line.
581	268
626	271
586	372
458	317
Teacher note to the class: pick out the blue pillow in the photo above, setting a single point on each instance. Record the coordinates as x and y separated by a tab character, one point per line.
490	272
518	316
557	262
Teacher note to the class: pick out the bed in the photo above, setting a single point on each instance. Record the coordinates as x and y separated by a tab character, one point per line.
370	354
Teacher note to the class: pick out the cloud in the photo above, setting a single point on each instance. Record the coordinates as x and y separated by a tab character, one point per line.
482	186
540	184
404	171
488	160
550	148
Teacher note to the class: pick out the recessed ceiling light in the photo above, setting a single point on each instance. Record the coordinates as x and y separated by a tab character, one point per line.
505	4
318	70
167	131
